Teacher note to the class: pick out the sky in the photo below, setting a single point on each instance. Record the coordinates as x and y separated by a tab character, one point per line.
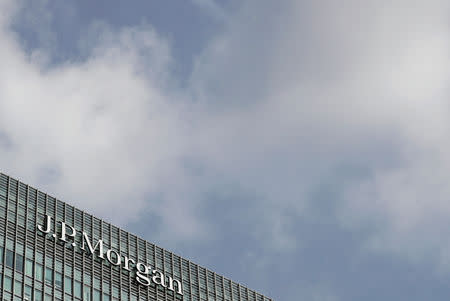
297	147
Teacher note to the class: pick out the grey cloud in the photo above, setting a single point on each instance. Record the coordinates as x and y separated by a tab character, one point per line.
6	142
317	86
99	121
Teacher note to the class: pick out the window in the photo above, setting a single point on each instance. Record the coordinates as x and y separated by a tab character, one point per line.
37	295
17	288
97	295
7	296
68	285
123	296
19	263
86	293
48	276
7	285
77	289
1	255
38	272
28	293
77	274
29	267
115	292
9	260
58	280
58	265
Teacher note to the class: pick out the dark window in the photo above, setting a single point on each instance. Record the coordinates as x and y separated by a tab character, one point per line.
9	260
58	280
19	263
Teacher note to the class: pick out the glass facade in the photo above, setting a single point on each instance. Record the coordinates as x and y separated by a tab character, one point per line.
39	266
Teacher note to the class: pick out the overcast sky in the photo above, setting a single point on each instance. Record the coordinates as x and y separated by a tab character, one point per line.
300	148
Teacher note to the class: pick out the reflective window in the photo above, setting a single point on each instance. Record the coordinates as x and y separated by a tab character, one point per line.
77	289
7	284
86	293
48	276
28	292
9	260
58	280
97	295
29	267
115	292
37	295
17	288
38	272
68	285
19	263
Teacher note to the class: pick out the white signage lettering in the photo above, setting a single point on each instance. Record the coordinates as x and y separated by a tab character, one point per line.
145	275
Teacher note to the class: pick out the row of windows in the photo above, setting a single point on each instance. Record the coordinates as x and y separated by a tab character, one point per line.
80	293
55	279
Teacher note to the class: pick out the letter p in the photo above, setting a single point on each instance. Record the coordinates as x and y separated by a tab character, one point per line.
65	233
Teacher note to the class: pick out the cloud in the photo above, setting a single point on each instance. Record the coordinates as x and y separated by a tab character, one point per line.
97	133
290	95
213	9
315	88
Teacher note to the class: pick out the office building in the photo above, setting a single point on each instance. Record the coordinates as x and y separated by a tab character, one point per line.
50	250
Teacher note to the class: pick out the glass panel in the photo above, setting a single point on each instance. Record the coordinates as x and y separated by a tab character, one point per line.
37	295
39	272
17	288
7	285
58	265
48	276
115	292
29	268
96	295
7	296
68	285
86	293
58	280
9	260
28	293
19	263
96	283
123	296
77	289
77	274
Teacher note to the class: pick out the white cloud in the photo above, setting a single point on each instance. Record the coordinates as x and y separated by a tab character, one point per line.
100	133
316	86
287	94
